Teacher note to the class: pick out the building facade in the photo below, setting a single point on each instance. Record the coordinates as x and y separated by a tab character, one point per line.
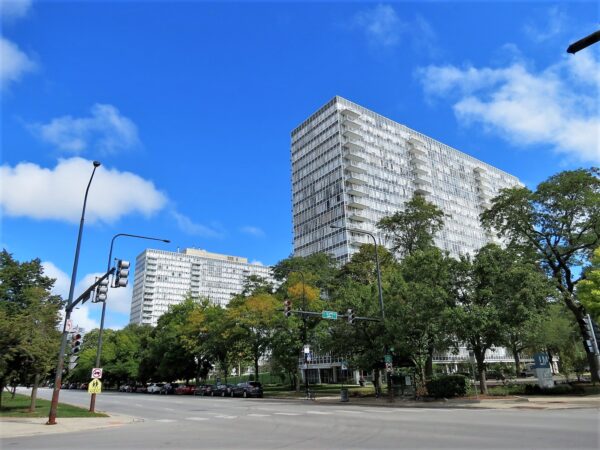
351	167
163	279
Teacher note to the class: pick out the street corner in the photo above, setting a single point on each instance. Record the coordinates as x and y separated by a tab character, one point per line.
17	427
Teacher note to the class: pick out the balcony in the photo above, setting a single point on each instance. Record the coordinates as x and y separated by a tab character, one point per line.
422	179
356	191
353	156
356	203
354	167
356	217
346	112
354	146
351	124
355	178
422	170
351	135
422	190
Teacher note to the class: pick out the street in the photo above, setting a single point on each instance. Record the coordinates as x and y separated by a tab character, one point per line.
186	422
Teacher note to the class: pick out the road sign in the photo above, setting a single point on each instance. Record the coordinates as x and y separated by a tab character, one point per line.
69	326
388	358
329	315
97	372
307	349
95	386
388	367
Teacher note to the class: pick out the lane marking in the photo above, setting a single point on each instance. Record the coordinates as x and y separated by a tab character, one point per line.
259	415
225	417
348	411
165	420
319	412
196	418
286	414
168	409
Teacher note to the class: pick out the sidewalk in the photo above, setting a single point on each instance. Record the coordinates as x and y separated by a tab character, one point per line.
515	402
11	427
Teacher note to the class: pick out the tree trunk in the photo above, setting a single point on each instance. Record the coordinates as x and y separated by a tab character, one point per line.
14	391
515	351
1	391
480	358
376	382
256	368
429	362
34	390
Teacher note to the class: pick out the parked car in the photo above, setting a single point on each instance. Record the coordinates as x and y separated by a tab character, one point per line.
185	389
528	371
201	389
155	388
83	386
222	390
142	388
248	389
169	388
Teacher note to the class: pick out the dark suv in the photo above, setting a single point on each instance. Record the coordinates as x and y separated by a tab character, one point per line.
248	389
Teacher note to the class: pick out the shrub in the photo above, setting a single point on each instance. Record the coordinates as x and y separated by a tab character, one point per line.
448	386
562	389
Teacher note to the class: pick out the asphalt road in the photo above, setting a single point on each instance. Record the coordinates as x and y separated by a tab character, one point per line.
188	422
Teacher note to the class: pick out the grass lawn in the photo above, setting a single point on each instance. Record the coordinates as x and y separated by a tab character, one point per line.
18	407
320	390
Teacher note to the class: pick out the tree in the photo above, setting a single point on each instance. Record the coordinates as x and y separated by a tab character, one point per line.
492	295
561	222
29	314
417	308
588	290
413	228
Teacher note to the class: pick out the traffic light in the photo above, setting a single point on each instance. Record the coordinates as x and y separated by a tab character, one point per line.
102	291
76	343
287	308
122	273
350	316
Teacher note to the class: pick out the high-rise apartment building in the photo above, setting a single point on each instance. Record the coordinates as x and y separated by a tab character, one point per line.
165	278
352	166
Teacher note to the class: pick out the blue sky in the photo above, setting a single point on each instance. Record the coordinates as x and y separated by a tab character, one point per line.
189	107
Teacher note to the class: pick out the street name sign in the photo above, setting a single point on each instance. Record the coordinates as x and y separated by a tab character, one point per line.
329	315
95	386
388	358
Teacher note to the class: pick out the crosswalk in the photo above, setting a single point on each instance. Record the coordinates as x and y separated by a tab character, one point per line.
307	413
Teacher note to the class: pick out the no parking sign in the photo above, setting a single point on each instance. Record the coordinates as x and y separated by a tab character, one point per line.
97	373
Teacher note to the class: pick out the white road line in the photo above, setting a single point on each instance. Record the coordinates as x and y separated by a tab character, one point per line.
348	411
319	412
225	417
196	418
138	405
286	414
168	409
259	415
165	420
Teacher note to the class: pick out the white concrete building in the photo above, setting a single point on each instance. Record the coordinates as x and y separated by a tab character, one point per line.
165	278
352	166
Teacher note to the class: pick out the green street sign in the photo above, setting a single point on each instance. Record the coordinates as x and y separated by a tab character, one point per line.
329	315
388	358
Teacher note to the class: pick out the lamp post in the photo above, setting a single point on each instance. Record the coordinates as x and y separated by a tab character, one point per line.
63	342
355	230
99	351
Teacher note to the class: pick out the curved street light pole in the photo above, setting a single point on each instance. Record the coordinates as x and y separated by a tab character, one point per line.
355	230
63	342
99	351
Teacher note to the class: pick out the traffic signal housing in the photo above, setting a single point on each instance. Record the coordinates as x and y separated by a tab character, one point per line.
350	316
287	308
102	291
76	343
591	334
122	273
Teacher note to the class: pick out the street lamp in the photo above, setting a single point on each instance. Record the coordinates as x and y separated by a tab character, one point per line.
63	342
99	351
584	42
355	230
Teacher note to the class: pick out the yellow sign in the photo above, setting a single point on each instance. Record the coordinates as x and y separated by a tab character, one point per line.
95	386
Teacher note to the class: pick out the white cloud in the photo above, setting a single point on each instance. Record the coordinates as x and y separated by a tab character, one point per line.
556	106
381	25
29	190
253	231
555	22
188	226
14	9
14	64
118	303
106	131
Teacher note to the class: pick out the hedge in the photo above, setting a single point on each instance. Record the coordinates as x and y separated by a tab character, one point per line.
448	386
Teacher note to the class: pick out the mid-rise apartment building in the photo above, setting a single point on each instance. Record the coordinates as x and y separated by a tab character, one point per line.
164	278
352	166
